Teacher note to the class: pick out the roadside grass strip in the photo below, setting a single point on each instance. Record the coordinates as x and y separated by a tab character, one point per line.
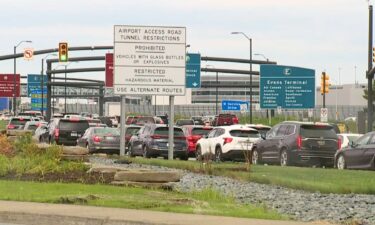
207	202
303	178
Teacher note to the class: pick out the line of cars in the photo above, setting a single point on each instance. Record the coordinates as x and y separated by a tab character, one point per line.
287	144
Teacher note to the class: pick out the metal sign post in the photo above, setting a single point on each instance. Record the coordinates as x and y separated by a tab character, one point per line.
171	128
122	126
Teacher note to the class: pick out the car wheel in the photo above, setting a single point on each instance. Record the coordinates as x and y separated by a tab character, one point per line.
284	158
145	152
130	151
218	155
255	157
198	153
341	164
88	147
184	157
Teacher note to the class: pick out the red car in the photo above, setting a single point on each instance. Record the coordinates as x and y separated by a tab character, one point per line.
225	120
193	133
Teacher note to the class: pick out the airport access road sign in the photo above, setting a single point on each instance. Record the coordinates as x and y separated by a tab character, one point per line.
193	70
149	60
287	87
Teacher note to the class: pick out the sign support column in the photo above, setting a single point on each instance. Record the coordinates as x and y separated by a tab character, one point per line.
171	128
122	126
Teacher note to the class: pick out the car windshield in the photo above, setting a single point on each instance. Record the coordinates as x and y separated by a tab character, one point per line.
32	127
353	138
164	131
200	131
185	122
262	130
245	133
79	125
317	131
132	130
17	121
106	131
144	120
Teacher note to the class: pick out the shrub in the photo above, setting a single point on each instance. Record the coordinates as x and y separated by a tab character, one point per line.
4	165
24	145
6	147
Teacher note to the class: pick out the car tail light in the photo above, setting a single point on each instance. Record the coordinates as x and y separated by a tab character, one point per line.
21	119
194	138
228	140
299	142
11	126
235	120
339	143
57	133
96	139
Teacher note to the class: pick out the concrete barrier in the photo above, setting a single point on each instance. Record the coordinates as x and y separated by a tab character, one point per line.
18	132
148	176
79	158
75	150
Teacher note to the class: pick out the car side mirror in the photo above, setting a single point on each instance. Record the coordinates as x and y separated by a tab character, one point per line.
263	136
353	144
205	136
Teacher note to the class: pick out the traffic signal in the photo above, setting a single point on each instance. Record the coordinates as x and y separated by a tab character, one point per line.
63	52
324	83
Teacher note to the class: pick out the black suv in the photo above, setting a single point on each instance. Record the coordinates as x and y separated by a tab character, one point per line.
152	141
298	143
67	131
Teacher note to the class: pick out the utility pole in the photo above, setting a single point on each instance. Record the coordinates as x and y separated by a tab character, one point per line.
324	89
369	75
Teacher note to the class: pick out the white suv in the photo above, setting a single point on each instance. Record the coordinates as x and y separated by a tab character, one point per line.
228	142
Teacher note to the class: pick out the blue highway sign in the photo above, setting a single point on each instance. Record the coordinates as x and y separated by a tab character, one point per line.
233	105
36	100
193	70
286	87
33	83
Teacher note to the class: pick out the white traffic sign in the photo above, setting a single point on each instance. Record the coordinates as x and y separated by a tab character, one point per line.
279	110
149	60
28	53
310	113
323	115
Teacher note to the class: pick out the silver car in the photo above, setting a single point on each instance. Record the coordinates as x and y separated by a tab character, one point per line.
101	139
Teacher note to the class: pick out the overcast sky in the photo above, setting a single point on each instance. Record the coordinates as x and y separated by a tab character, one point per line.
324	35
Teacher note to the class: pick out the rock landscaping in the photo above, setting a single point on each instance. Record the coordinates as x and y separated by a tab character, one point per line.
300	205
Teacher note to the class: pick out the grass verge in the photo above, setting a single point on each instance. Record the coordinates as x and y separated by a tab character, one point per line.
308	179
206	202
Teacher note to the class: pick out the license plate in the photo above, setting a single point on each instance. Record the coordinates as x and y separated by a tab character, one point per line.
109	138
74	134
321	142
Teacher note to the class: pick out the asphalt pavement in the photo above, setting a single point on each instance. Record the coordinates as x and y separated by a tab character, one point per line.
28	213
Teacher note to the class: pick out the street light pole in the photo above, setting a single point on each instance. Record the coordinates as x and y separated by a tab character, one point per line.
14	81
251	76
42	81
217	91
14	75
66	66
